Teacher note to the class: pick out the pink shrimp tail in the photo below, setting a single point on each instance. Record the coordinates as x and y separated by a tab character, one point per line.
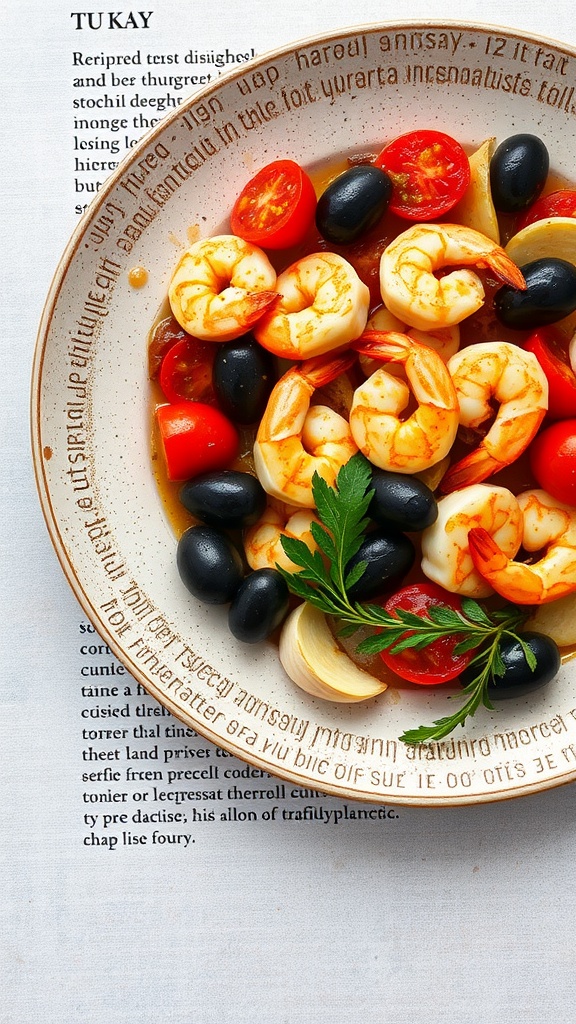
505	269
389	346
488	558
255	305
514	581
479	464
321	370
472	469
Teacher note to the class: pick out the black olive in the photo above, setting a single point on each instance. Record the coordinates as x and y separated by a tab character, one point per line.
518	677
243	376
402	502
230	499
389	554
550	295
260	605
518	172
354	202
210	566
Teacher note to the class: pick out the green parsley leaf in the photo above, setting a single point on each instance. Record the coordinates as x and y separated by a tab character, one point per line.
322	577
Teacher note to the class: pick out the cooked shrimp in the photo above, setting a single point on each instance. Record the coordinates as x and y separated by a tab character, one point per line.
445	340
547	524
425	437
412	292
499	371
323	306
263	541
221	287
382	320
446	557
295	440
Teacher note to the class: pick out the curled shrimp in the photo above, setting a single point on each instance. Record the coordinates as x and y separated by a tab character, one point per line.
221	287
323	306
547	524
445	340
446	557
263	541
412	292
295	439
499	371
426	436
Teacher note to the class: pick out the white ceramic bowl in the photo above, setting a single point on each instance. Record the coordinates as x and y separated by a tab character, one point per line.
351	90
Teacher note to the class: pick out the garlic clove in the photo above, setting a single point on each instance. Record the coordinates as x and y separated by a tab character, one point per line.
557	619
476	209
312	658
551	237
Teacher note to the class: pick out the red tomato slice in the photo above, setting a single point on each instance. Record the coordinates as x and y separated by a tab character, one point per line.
556	204
196	438
276	207
186	371
551	351
436	663
553	460
430	173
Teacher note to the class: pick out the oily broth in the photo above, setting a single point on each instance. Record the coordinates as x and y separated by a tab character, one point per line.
364	255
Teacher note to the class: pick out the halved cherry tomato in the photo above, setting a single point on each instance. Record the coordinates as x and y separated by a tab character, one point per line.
186	371
556	204
196	438
430	173
436	663
551	351
553	460
276	207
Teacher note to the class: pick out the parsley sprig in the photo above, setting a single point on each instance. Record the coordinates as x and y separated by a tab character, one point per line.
325	582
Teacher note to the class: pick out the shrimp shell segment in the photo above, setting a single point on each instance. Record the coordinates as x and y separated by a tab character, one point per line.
446	557
296	440
425	437
409	288
505	373
547	525
323	306
263	541
221	287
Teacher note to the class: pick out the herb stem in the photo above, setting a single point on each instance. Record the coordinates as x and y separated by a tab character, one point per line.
324	580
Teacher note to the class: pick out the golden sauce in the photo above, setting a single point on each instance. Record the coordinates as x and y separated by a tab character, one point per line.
137	277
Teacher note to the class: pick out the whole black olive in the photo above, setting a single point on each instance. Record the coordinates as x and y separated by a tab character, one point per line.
210	567
518	172
402	502
550	295
230	499
259	606
243	376
519	678
354	202
389	556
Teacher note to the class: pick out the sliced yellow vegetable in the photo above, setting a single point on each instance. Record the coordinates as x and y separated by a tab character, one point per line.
557	619
476	209
553	236
313	659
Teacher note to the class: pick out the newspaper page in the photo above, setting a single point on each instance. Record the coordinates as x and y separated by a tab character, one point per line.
148	875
